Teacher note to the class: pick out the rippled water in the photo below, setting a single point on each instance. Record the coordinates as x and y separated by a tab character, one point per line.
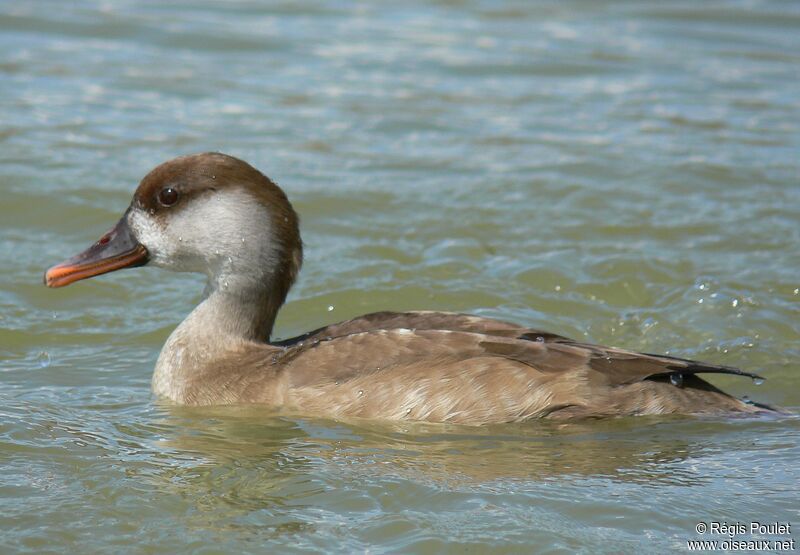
623	172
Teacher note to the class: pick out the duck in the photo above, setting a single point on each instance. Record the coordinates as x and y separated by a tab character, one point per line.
217	215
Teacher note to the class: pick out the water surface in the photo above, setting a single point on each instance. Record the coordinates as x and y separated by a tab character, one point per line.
619	172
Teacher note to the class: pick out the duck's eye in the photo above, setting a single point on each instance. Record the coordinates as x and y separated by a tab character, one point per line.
168	196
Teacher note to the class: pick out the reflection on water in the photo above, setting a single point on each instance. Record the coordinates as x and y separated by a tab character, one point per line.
237	468
646	450
620	172
236	474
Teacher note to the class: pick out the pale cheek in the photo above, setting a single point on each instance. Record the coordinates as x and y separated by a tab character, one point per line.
224	235
153	237
188	244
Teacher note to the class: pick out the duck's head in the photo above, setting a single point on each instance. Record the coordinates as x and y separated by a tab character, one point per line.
208	213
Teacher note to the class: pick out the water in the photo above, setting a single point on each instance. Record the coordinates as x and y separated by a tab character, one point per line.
620	172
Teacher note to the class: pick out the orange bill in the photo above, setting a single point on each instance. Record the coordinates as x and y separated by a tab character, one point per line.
115	250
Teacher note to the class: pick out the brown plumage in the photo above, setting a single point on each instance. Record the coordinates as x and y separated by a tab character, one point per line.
215	214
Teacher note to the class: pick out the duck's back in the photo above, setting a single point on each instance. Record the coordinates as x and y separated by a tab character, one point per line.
445	367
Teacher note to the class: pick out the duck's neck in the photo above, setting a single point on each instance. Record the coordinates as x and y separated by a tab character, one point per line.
228	316
233	315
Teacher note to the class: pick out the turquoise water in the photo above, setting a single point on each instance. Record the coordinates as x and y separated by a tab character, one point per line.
621	172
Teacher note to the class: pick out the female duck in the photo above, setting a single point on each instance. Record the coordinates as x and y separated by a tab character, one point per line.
215	214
